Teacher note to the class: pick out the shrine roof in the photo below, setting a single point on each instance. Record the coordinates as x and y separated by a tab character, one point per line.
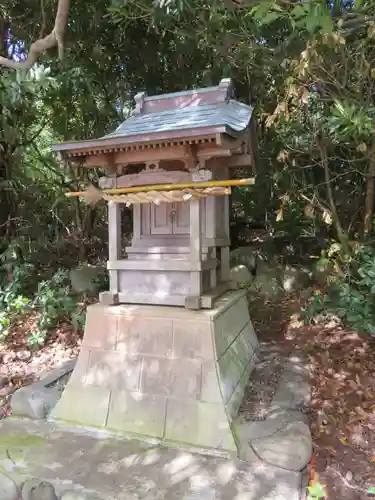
205	111
232	115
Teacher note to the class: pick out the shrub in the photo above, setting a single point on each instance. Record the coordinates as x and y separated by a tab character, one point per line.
52	299
352	296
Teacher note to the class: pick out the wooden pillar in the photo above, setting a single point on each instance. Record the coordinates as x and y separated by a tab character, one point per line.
224	264
137	222
225	251
213	272
193	301
114	252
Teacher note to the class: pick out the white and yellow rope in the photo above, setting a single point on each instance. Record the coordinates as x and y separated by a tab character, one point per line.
176	196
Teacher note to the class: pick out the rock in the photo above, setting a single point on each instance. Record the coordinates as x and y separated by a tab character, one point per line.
8	488
267	282
289	448
246	256
73	495
36	489
272	279
240	276
34	401
349	475
292	393
86	278
23	355
275	421
37	399
294	278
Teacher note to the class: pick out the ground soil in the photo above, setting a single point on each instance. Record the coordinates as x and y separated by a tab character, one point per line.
22	364
342	413
342	378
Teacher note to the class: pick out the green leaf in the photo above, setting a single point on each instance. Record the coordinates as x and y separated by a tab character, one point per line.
327	24
261	10
311	21
270	18
371	490
299	11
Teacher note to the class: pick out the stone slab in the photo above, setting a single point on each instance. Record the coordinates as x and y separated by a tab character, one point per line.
36	489
8	488
293	391
289	447
282	440
82	465
36	400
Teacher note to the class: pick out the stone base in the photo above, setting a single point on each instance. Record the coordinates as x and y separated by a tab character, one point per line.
163	373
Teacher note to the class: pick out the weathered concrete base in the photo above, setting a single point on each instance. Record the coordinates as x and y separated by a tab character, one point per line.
164	373
36	400
94	466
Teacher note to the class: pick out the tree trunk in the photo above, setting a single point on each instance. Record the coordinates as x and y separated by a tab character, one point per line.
341	234
6	202
369	200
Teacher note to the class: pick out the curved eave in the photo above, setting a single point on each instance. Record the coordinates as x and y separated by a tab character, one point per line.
158	139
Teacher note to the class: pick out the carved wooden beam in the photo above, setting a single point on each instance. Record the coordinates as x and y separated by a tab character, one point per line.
147	178
152	155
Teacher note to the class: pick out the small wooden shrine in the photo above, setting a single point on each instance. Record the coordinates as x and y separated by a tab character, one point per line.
179	254
148	367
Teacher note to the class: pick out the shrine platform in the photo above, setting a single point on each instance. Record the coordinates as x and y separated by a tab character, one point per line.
165	373
75	464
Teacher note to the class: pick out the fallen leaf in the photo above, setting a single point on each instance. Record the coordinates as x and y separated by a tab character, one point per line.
331	450
317	490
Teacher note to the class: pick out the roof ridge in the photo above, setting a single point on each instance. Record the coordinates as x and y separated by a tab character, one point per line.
179	93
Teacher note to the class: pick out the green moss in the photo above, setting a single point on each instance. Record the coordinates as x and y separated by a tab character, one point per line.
17	445
235	426
20	440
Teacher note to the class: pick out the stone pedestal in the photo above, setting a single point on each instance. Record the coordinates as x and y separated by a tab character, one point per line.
164	373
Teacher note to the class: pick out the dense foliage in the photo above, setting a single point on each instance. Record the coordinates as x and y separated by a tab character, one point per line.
307	67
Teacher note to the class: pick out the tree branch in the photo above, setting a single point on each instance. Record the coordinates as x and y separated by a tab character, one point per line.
55	38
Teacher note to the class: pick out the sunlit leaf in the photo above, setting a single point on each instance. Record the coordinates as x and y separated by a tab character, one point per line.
317	491
327	218
280	214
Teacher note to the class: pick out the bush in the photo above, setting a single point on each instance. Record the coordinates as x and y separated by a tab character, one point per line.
21	292
352	296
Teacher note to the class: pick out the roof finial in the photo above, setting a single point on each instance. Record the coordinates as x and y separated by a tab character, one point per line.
139	101
226	86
